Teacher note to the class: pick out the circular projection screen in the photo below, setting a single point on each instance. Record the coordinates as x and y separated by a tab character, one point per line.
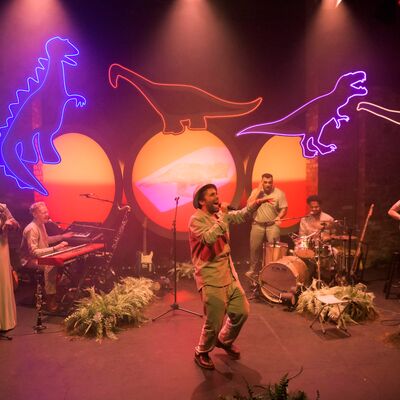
168	167
84	168
282	157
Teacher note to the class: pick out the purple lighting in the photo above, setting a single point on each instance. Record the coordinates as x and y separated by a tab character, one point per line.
20	143
329	106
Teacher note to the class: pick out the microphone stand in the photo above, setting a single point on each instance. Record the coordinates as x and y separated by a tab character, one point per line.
318	256
175	305
94	197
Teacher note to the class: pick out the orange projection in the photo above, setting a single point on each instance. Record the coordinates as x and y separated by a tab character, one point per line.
85	168
167	167
282	157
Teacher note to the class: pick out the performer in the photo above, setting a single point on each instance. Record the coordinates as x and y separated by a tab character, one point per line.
8	311
215	274
36	243
316	220
321	224
266	220
394	211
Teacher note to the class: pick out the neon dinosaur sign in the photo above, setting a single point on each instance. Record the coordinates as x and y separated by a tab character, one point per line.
329	106
180	105
379	111
20	144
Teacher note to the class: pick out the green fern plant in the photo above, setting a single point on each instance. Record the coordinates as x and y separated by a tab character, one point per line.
277	391
183	270
361	305
101	315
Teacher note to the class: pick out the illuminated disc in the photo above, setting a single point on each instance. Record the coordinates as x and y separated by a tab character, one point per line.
169	166
282	157
84	168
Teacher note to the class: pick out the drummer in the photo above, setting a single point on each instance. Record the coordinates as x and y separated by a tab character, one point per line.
316	220
321	225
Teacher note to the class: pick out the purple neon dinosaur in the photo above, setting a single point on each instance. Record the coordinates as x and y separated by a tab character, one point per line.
20	144
329	106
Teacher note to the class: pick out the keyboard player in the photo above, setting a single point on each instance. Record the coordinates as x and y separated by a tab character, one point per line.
36	243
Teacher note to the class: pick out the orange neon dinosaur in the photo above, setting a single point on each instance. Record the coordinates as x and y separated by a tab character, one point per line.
181	105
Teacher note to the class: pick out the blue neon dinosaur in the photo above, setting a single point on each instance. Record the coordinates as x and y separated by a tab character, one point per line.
20	144
329	107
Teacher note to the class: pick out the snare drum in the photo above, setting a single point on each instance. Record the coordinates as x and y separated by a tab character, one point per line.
283	276
274	251
303	247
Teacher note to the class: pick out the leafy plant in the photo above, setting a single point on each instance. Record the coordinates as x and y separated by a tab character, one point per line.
361	305
183	270
101	314
277	391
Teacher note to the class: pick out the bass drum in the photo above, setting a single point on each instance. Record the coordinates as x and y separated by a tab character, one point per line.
283	276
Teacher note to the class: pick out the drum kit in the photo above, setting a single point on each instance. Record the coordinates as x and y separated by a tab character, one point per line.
286	273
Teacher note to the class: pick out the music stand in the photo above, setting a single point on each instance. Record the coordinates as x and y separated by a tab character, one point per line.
175	305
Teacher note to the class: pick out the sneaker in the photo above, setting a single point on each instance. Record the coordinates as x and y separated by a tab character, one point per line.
203	360
232	350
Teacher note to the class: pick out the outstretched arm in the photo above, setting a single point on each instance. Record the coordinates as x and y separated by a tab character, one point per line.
394	211
255	193
59	238
33	238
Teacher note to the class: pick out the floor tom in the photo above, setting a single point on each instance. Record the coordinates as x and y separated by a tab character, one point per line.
274	251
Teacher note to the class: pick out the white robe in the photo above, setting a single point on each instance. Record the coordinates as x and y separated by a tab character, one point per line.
8	311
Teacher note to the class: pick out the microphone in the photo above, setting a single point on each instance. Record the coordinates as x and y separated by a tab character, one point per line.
86	194
54	222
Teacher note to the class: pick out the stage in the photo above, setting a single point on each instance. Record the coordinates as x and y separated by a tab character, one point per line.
155	361
113	115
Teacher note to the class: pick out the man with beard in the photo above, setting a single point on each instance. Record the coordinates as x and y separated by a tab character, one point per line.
215	274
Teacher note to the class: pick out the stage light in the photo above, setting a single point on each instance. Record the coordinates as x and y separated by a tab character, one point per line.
330	4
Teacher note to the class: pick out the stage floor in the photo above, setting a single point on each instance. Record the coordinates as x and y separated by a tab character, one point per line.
155	361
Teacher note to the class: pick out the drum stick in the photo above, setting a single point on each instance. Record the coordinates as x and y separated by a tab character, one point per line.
289	219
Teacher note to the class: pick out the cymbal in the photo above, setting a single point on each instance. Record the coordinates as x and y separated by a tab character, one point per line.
344	237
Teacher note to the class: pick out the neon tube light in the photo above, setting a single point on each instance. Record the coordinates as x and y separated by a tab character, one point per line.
180	105
379	111
330	107
21	145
